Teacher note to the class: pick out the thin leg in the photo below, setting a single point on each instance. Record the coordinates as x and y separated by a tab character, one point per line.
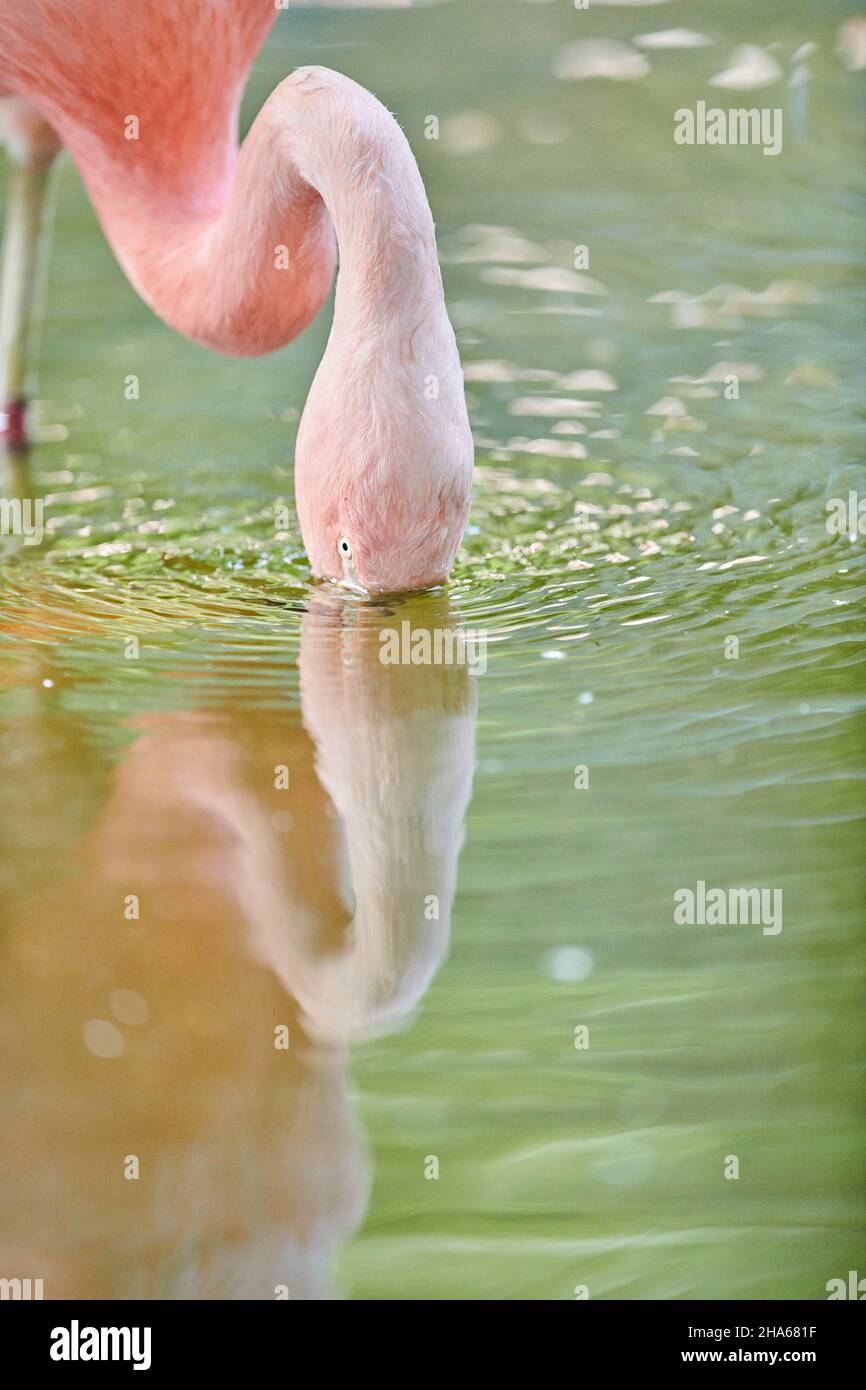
32	147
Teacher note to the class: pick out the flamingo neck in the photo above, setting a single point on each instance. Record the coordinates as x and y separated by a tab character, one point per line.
244	264
360	163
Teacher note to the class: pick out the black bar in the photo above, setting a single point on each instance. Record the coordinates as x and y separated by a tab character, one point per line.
608	1335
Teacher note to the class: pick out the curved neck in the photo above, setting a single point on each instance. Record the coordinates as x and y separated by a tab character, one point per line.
244	267
352	151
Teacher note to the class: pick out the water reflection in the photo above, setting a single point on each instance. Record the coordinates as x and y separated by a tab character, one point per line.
253	873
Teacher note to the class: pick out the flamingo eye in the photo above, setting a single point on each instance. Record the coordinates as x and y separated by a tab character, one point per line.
345	548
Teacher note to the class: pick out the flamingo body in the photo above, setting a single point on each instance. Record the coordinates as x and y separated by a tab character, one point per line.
235	248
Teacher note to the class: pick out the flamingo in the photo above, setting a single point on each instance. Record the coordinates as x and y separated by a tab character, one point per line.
236	248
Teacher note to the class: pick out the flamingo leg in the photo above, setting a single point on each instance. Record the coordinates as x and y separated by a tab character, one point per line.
24	248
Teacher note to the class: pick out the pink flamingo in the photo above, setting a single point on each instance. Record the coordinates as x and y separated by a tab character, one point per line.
235	248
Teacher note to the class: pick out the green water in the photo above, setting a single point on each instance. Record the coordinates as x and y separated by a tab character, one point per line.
615	549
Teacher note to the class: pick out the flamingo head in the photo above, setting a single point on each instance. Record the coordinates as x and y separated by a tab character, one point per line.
382	488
